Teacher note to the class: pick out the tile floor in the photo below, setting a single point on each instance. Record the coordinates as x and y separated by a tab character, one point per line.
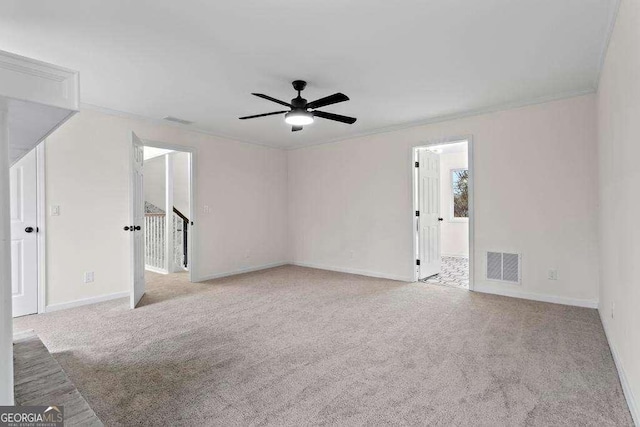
454	273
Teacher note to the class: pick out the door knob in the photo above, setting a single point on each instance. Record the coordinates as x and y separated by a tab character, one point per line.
137	228
440	219
29	229
126	228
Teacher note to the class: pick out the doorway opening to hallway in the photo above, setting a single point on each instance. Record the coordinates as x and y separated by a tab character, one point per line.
167	210
162	217
443	221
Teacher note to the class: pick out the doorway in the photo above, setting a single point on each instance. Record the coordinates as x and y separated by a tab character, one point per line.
167	210
443	209
162	216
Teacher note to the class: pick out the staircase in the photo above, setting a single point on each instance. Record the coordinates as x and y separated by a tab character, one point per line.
155	239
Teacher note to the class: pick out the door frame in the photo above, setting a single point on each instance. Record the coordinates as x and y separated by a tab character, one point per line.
414	195
191	244
41	224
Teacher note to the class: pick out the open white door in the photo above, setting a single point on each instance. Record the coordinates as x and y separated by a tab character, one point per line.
429	217
24	246
136	224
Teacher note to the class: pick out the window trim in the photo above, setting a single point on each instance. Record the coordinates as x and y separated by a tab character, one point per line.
453	218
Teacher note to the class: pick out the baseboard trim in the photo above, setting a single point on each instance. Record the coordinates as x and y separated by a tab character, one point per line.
241	271
354	271
536	297
155	269
86	301
27	333
624	382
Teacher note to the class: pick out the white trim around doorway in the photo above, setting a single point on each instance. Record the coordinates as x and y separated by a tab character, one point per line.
414	223
41	226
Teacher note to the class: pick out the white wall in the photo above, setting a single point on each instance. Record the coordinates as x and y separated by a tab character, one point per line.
350	202
454	233
619	151
155	181
181	182
243	184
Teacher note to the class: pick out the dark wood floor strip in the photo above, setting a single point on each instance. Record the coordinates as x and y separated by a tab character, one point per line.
39	380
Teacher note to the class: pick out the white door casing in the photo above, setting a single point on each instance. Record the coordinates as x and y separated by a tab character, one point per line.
136	222
429	218
24	244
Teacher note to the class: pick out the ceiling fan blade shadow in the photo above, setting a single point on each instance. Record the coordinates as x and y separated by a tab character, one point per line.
335	117
296	128
269	98
262	115
328	100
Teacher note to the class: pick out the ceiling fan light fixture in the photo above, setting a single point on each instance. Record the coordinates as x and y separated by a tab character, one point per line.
298	118
303	113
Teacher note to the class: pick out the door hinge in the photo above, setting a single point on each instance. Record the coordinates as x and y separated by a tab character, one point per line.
417	262
417	213
417	164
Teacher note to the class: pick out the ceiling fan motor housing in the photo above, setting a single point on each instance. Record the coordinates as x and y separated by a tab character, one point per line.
299	103
299	85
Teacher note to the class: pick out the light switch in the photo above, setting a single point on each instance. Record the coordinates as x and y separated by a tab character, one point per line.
55	210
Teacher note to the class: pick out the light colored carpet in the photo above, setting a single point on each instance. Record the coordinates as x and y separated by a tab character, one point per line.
296	346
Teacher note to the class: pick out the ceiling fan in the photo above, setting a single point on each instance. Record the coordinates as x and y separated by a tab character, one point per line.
300	113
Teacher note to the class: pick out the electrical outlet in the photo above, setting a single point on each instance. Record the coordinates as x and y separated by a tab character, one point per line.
553	275
88	277
55	210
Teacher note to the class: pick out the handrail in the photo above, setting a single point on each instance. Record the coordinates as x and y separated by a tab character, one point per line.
176	211
180	214
185	234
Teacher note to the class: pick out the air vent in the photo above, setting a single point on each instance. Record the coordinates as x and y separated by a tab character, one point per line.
503	267
177	120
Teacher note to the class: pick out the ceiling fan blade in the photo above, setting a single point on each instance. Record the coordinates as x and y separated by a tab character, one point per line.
328	100
296	128
336	117
268	98
262	115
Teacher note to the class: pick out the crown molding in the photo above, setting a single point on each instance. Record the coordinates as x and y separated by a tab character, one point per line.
27	79
456	116
386	129
161	122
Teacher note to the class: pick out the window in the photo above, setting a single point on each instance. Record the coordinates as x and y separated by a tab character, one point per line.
460	190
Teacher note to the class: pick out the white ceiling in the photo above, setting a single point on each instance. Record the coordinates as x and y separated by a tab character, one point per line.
399	62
